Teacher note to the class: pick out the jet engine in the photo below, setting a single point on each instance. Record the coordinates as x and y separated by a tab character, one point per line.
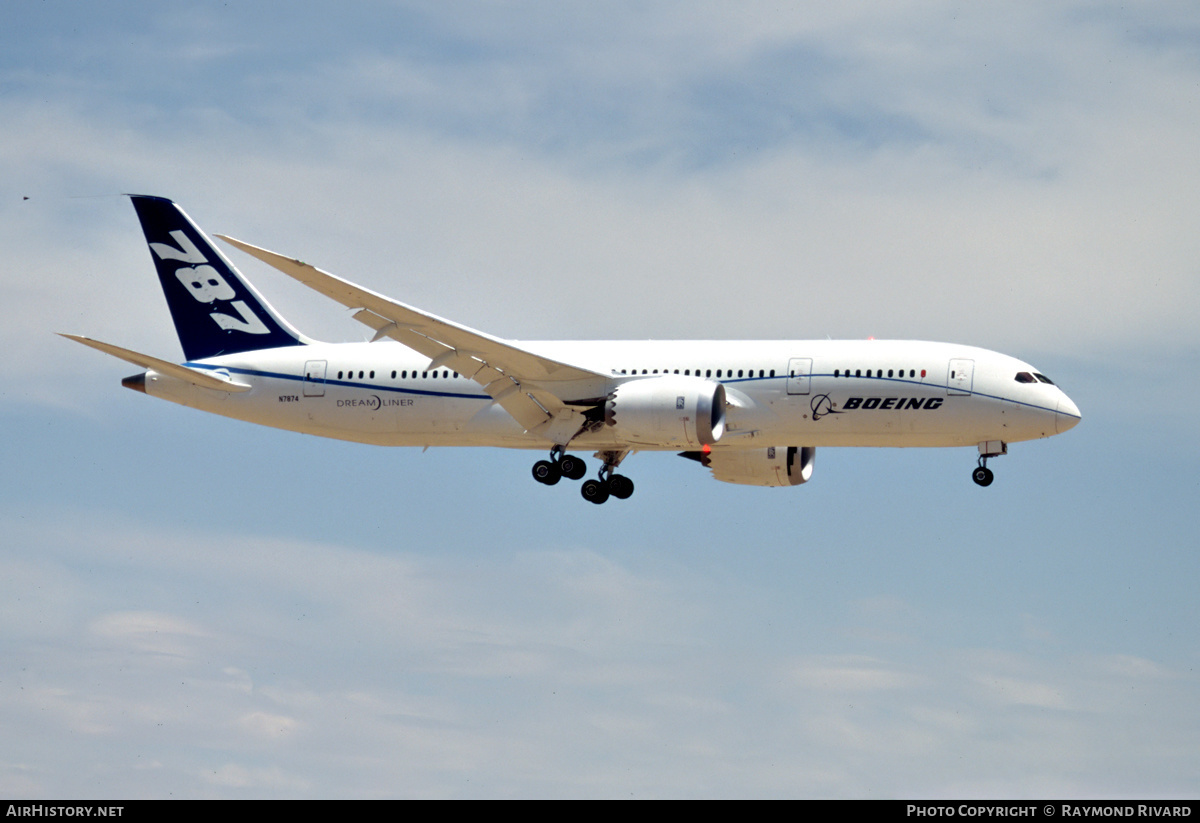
773	466
671	411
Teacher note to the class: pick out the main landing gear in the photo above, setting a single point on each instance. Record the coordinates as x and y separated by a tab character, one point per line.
990	448
608	484
558	466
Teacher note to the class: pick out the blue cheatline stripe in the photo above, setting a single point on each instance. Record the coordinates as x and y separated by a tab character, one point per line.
328	382
374	387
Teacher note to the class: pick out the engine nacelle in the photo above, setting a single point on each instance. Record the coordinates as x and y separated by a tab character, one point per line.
670	411
773	466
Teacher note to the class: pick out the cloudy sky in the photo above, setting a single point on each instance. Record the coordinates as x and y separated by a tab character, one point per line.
196	607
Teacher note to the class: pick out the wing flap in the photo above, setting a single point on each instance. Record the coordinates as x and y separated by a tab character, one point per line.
514	377
499	353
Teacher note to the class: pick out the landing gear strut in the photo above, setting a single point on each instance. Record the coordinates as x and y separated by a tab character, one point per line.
608	484
989	448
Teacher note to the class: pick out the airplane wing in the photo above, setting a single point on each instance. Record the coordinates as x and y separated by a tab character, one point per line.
526	385
203	379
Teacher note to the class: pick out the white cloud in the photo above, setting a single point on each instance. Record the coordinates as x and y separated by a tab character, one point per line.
851	674
149	632
1010	690
550	672
232	776
270	726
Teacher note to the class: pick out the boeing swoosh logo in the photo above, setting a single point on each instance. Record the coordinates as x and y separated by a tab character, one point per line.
821	406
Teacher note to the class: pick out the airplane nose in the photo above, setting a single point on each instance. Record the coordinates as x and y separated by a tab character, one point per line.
1067	416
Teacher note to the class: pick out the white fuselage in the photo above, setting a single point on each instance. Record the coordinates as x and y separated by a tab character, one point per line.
779	393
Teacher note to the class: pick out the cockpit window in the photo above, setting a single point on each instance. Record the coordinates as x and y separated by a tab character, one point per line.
1025	377
1043	378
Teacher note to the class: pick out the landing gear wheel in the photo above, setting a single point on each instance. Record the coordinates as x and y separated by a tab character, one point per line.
546	472
620	486
983	476
572	467
594	491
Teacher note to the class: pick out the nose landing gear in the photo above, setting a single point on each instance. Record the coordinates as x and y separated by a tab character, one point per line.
982	475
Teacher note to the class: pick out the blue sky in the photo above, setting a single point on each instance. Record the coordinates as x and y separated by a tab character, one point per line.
196	607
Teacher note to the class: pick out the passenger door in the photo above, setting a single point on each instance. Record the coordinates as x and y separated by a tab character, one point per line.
960	377
799	375
314	378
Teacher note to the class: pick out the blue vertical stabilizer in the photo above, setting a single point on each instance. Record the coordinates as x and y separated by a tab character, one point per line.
215	310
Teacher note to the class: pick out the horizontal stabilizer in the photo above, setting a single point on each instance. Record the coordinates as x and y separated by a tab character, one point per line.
196	378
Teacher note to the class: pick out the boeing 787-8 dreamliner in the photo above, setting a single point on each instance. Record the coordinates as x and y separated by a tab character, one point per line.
753	412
